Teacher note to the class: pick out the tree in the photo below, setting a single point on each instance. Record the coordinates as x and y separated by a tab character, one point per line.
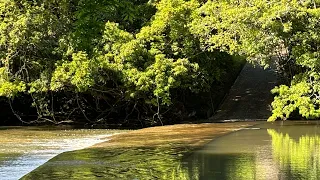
101	59
283	34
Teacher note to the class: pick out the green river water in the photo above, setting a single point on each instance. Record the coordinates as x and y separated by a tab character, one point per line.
278	151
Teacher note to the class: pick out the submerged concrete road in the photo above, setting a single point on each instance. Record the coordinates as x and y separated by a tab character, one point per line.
250	97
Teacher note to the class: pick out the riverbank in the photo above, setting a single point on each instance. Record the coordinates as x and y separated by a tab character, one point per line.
150	153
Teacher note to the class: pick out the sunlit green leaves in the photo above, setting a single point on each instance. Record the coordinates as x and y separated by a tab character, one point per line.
77	73
110	49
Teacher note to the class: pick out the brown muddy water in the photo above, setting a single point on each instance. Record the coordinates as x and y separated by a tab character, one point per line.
22	149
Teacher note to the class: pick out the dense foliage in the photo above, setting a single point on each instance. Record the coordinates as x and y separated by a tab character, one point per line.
112	59
102	60
282	34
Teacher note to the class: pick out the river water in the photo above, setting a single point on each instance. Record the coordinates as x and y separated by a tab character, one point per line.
22	149
270	151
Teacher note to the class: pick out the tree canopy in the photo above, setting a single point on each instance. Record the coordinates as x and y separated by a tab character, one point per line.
96	58
99	58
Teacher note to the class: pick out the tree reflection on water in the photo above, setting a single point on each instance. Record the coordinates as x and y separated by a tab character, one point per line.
286	153
296	158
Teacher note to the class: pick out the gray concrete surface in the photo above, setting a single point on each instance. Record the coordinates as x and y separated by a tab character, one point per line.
250	97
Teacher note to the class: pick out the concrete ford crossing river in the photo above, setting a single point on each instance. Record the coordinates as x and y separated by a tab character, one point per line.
280	150
25	148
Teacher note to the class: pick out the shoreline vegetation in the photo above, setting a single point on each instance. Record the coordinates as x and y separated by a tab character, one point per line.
147	153
116	63
210	100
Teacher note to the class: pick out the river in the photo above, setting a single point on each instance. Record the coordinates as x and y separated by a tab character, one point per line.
267	151
25	148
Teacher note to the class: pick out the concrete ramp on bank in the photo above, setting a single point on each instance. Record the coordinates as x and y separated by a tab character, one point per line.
250	97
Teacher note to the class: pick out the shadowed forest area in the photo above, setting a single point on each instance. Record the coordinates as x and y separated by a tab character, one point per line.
138	63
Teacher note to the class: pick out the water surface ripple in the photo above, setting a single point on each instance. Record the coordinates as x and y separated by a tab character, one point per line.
25	148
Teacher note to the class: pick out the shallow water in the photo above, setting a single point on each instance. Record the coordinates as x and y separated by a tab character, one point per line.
268	151
22	149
